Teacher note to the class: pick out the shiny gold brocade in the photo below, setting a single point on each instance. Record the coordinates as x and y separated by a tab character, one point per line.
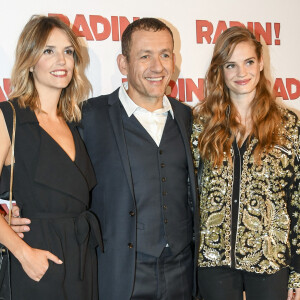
268	231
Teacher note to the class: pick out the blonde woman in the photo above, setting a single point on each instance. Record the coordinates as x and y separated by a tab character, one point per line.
53	174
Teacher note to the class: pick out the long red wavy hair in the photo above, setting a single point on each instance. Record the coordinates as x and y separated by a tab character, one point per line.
217	113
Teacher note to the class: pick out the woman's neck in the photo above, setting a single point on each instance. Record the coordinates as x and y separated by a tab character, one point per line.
243	106
49	103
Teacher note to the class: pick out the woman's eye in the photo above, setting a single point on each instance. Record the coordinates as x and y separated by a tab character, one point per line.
69	51
229	66
48	51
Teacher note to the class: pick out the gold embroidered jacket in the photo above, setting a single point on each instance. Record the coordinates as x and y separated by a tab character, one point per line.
268	225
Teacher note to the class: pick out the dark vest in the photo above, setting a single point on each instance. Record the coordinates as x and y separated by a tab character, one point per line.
159	176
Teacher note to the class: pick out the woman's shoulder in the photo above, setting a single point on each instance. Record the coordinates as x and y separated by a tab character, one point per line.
288	113
5	106
197	128
199	118
290	118
198	123
291	126
6	120
7	112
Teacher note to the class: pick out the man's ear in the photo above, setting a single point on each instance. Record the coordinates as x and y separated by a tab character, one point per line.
174	62
122	64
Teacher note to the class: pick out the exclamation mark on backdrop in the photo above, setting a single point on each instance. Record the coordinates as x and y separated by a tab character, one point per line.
277	31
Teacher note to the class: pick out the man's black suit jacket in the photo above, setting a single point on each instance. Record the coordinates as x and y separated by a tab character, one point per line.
113	197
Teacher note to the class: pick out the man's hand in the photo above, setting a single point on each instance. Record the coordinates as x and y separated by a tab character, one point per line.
19	225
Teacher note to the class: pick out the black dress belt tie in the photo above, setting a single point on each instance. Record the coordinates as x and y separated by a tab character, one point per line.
88	234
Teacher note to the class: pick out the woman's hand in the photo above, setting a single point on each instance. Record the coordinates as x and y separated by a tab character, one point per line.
35	262
292	296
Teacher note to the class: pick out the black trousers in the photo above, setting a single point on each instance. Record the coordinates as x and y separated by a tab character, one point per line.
168	277
217	283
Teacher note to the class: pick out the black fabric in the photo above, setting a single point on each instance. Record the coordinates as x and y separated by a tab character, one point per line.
160	187
166	277
53	191
217	283
235	200
5	279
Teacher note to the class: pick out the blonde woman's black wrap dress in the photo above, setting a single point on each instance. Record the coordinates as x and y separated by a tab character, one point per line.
53	191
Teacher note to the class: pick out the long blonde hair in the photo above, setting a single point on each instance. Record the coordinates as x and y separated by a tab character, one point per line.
217	113
29	49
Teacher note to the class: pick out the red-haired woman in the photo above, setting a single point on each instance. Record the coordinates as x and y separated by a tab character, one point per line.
246	150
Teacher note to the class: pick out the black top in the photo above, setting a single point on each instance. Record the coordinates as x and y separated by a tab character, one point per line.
235	201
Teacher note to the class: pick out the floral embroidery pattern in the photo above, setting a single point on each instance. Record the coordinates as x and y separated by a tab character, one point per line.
268	231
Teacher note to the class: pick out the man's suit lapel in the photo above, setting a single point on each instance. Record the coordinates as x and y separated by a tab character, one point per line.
183	130
185	133
117	125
